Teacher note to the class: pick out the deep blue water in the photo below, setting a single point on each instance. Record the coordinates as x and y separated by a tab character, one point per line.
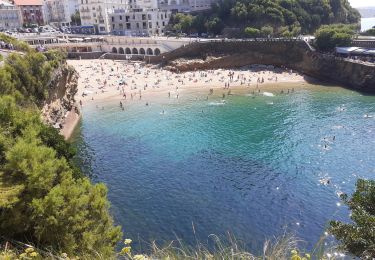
251	167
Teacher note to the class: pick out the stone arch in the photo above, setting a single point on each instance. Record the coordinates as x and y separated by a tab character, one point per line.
121	50
128	51
142	51
134	51
114	50
150	52
157	51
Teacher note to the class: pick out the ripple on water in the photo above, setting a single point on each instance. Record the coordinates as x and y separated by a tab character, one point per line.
243	166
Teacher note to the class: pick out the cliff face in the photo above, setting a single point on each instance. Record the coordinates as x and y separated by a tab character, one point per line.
61	103
295	55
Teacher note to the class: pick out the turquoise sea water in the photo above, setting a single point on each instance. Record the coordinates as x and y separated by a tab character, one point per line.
251	166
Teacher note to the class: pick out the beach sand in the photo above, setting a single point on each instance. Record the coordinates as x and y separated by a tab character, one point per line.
71	122
103	80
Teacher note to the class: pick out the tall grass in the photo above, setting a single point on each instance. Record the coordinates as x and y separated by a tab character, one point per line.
285	247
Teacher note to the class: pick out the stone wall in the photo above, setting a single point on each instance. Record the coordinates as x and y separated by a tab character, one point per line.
292	54
85	55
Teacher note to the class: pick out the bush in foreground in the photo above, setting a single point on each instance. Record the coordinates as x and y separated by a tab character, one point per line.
358	237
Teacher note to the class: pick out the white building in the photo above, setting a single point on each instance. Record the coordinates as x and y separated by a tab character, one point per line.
138	22
185	5
97	13
10	16
59	12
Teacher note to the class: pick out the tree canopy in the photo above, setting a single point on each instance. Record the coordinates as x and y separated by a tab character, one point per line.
43	198
358	237
330	36
297	16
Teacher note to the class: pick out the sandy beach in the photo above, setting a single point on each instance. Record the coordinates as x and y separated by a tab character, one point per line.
119	80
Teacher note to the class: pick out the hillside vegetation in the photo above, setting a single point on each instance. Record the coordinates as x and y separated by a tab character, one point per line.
43	198
270	17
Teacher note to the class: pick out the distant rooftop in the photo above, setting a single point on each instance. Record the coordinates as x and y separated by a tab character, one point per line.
28	2
6	4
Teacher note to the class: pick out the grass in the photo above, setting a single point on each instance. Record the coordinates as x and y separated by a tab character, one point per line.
284	247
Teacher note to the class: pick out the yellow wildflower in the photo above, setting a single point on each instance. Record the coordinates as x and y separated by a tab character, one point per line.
308	256
29	250
294	252
127	241
139	257
34	254
296	257
126	250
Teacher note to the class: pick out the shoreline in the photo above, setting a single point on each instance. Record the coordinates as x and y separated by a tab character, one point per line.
117	80
72	120
109	80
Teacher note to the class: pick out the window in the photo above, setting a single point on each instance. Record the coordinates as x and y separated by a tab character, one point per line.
137	25
120	17
113	26
150	25
113	19
144	25
149	17
102	28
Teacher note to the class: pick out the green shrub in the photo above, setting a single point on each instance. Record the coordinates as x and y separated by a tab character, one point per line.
330	36
358	237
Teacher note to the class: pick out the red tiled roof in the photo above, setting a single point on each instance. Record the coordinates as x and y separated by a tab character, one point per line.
28	2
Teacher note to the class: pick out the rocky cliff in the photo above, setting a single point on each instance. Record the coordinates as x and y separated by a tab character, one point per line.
292	54
60	109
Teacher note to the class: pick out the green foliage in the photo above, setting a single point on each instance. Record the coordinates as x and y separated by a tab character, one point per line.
252	32
44	198
330	36
300	16
358	237
214	25
51	206
28	76
183	23
370	32
76	18
266	31
18	45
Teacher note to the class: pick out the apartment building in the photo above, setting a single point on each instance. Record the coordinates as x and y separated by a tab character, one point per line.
32	11
58	12
139	22
10	16
97	13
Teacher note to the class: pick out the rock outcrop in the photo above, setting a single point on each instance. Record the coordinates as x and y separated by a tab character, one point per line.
61	104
